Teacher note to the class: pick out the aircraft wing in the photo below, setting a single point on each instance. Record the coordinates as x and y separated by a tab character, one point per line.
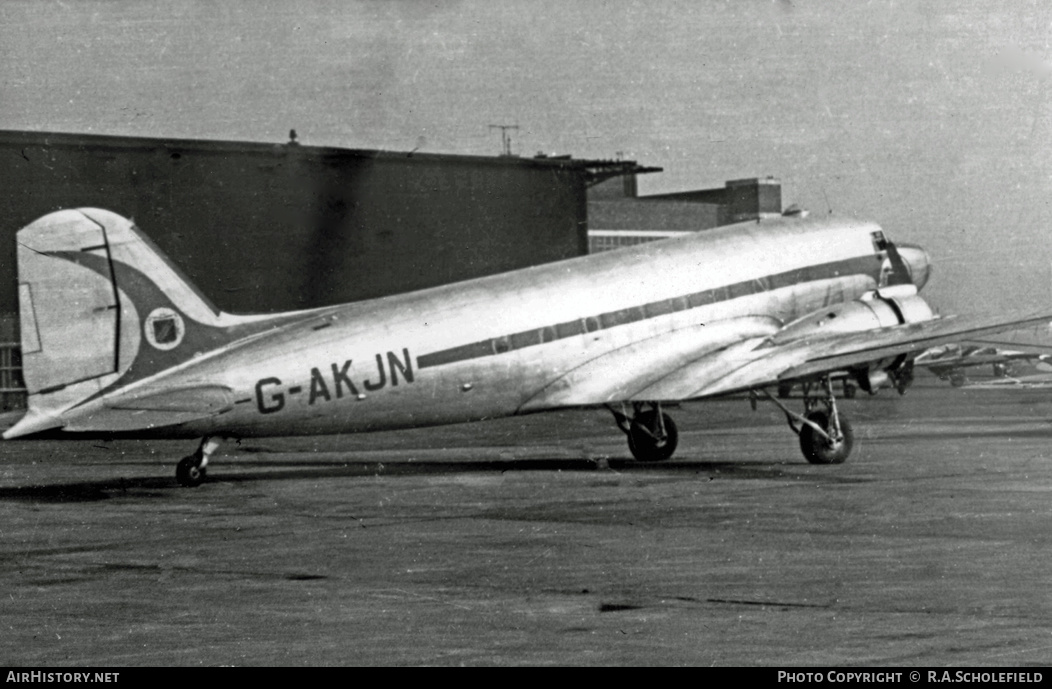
865	347
747	356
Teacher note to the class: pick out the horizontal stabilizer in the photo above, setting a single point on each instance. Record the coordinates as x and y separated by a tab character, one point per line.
204	400
152	407
34	421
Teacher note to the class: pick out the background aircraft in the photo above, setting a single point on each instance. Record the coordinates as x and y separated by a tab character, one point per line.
116	342
952	361
1036	381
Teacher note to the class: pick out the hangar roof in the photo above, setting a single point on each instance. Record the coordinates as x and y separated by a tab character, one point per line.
595	171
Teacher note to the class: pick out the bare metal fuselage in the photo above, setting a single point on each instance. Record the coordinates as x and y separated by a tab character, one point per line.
502	345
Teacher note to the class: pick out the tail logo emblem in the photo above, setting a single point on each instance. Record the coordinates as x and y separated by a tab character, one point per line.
164	328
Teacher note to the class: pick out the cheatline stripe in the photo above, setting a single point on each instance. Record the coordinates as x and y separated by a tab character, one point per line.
861	265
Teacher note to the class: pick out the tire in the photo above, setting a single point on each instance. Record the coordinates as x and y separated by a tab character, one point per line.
189	472
641	441
817	449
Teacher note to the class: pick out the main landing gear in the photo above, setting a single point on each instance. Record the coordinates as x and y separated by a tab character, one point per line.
191	470
825	435
652	435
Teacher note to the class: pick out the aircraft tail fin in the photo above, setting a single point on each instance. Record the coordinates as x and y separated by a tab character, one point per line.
98	303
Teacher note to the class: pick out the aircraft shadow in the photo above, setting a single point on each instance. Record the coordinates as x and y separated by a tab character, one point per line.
1013	434
235	472
88	491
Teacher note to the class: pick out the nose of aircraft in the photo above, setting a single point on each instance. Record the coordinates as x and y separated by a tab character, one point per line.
917	262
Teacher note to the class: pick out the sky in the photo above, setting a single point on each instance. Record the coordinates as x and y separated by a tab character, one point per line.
932	118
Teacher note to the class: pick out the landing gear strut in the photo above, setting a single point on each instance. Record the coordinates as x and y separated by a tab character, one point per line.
652	434
825	435
191	470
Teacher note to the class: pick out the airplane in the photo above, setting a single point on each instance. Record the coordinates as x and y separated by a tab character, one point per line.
950	361
1036	381
116	342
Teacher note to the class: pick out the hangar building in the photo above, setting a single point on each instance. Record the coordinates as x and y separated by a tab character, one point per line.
263	227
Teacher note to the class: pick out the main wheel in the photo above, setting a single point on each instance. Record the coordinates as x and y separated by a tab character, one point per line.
818	450
189	472
644	437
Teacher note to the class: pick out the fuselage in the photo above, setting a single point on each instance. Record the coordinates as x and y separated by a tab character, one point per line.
489	347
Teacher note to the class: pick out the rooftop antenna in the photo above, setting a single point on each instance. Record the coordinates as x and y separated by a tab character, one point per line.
826	197
505	138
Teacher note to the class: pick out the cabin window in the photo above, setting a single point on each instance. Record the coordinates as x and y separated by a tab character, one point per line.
700	299
659	308
616	318
501	345
564	330
526	339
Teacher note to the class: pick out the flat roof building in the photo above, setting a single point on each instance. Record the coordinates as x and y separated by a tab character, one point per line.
618	216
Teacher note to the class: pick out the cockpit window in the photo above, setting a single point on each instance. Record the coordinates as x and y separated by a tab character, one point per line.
880	243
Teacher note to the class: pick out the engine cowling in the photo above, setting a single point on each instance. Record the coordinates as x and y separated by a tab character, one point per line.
870	313
877	310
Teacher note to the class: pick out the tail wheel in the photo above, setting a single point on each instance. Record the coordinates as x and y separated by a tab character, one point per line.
819	450
647	442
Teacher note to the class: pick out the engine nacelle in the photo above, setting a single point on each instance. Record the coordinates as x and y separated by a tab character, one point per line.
870	313
872	380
